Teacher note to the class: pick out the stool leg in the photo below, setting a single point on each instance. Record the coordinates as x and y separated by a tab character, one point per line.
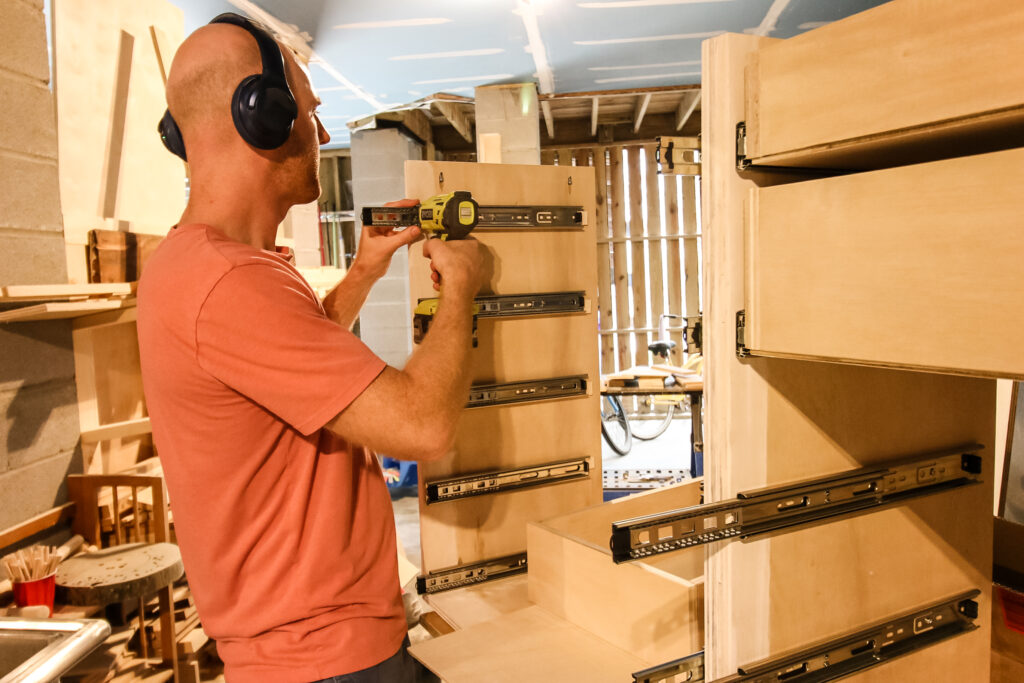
143	641
168	631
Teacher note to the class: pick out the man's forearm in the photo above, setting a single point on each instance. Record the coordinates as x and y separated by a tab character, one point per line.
439	366
344	302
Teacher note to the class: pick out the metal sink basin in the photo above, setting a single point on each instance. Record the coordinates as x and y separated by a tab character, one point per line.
38	650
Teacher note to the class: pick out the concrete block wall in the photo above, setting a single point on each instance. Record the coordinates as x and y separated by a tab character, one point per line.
39	426
378	176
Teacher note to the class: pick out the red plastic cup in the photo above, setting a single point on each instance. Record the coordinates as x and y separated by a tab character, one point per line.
37	592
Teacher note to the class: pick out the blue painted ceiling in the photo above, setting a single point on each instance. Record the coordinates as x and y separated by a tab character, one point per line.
397	51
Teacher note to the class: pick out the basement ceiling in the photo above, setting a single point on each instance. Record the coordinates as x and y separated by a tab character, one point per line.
367	56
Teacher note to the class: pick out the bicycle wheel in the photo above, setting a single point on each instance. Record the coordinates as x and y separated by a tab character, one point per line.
615	426
652	427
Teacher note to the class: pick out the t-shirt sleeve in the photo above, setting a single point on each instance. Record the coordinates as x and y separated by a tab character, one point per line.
262	333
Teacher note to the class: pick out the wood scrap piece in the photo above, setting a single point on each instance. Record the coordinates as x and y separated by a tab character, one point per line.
118	573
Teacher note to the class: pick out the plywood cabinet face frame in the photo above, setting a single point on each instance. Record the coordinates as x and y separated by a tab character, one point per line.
469	530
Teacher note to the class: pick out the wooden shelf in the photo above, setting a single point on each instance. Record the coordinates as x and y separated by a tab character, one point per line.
53	302
64	309
24	293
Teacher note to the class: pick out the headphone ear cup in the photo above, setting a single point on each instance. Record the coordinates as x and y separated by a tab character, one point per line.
170	134
263	112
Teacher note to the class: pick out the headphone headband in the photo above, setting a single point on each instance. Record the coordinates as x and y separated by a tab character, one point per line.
262	107
270	54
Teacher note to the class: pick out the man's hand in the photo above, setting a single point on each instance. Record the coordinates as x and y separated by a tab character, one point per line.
460	263
377	244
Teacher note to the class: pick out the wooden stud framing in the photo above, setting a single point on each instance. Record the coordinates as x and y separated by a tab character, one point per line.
620	265
654	231
639	274
604	254
674	266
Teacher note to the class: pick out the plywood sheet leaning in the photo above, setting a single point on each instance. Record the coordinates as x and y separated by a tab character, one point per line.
109	84
771	421
912	267
886	75
480	528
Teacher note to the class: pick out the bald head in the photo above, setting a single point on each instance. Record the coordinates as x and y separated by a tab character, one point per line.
206	71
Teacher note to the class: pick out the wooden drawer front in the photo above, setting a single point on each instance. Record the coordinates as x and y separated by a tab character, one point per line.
900	66
916	267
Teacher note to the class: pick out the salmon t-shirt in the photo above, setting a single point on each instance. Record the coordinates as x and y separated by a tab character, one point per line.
285	529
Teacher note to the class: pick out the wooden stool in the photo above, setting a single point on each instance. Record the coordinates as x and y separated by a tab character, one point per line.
118	573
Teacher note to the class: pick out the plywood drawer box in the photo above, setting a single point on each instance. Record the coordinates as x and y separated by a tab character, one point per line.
909	73
587	618
914	267
653	608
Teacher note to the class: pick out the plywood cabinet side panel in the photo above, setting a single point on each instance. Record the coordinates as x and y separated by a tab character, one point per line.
649	612
505	437
914	267
898	70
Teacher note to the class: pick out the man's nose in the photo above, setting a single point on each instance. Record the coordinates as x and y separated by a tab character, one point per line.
322	133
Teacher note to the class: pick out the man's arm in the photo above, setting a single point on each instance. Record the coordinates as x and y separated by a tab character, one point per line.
376	247
411	413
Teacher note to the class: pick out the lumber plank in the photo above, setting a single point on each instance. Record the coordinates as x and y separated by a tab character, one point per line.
897	75
655	230
619	263
605	302
504	437
639	264
912	267
773	420
673	267
43	520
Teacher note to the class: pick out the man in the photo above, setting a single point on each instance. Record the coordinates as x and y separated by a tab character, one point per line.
265	407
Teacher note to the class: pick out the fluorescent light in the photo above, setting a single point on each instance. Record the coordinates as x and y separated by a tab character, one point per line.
396	23
645	78
455	53
650	39
462	79
643	66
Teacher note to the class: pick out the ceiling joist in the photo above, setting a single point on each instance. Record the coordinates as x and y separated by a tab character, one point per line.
549	121
687	103
642	102
457	117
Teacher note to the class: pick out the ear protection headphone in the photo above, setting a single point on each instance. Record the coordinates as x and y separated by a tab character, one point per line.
263	107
